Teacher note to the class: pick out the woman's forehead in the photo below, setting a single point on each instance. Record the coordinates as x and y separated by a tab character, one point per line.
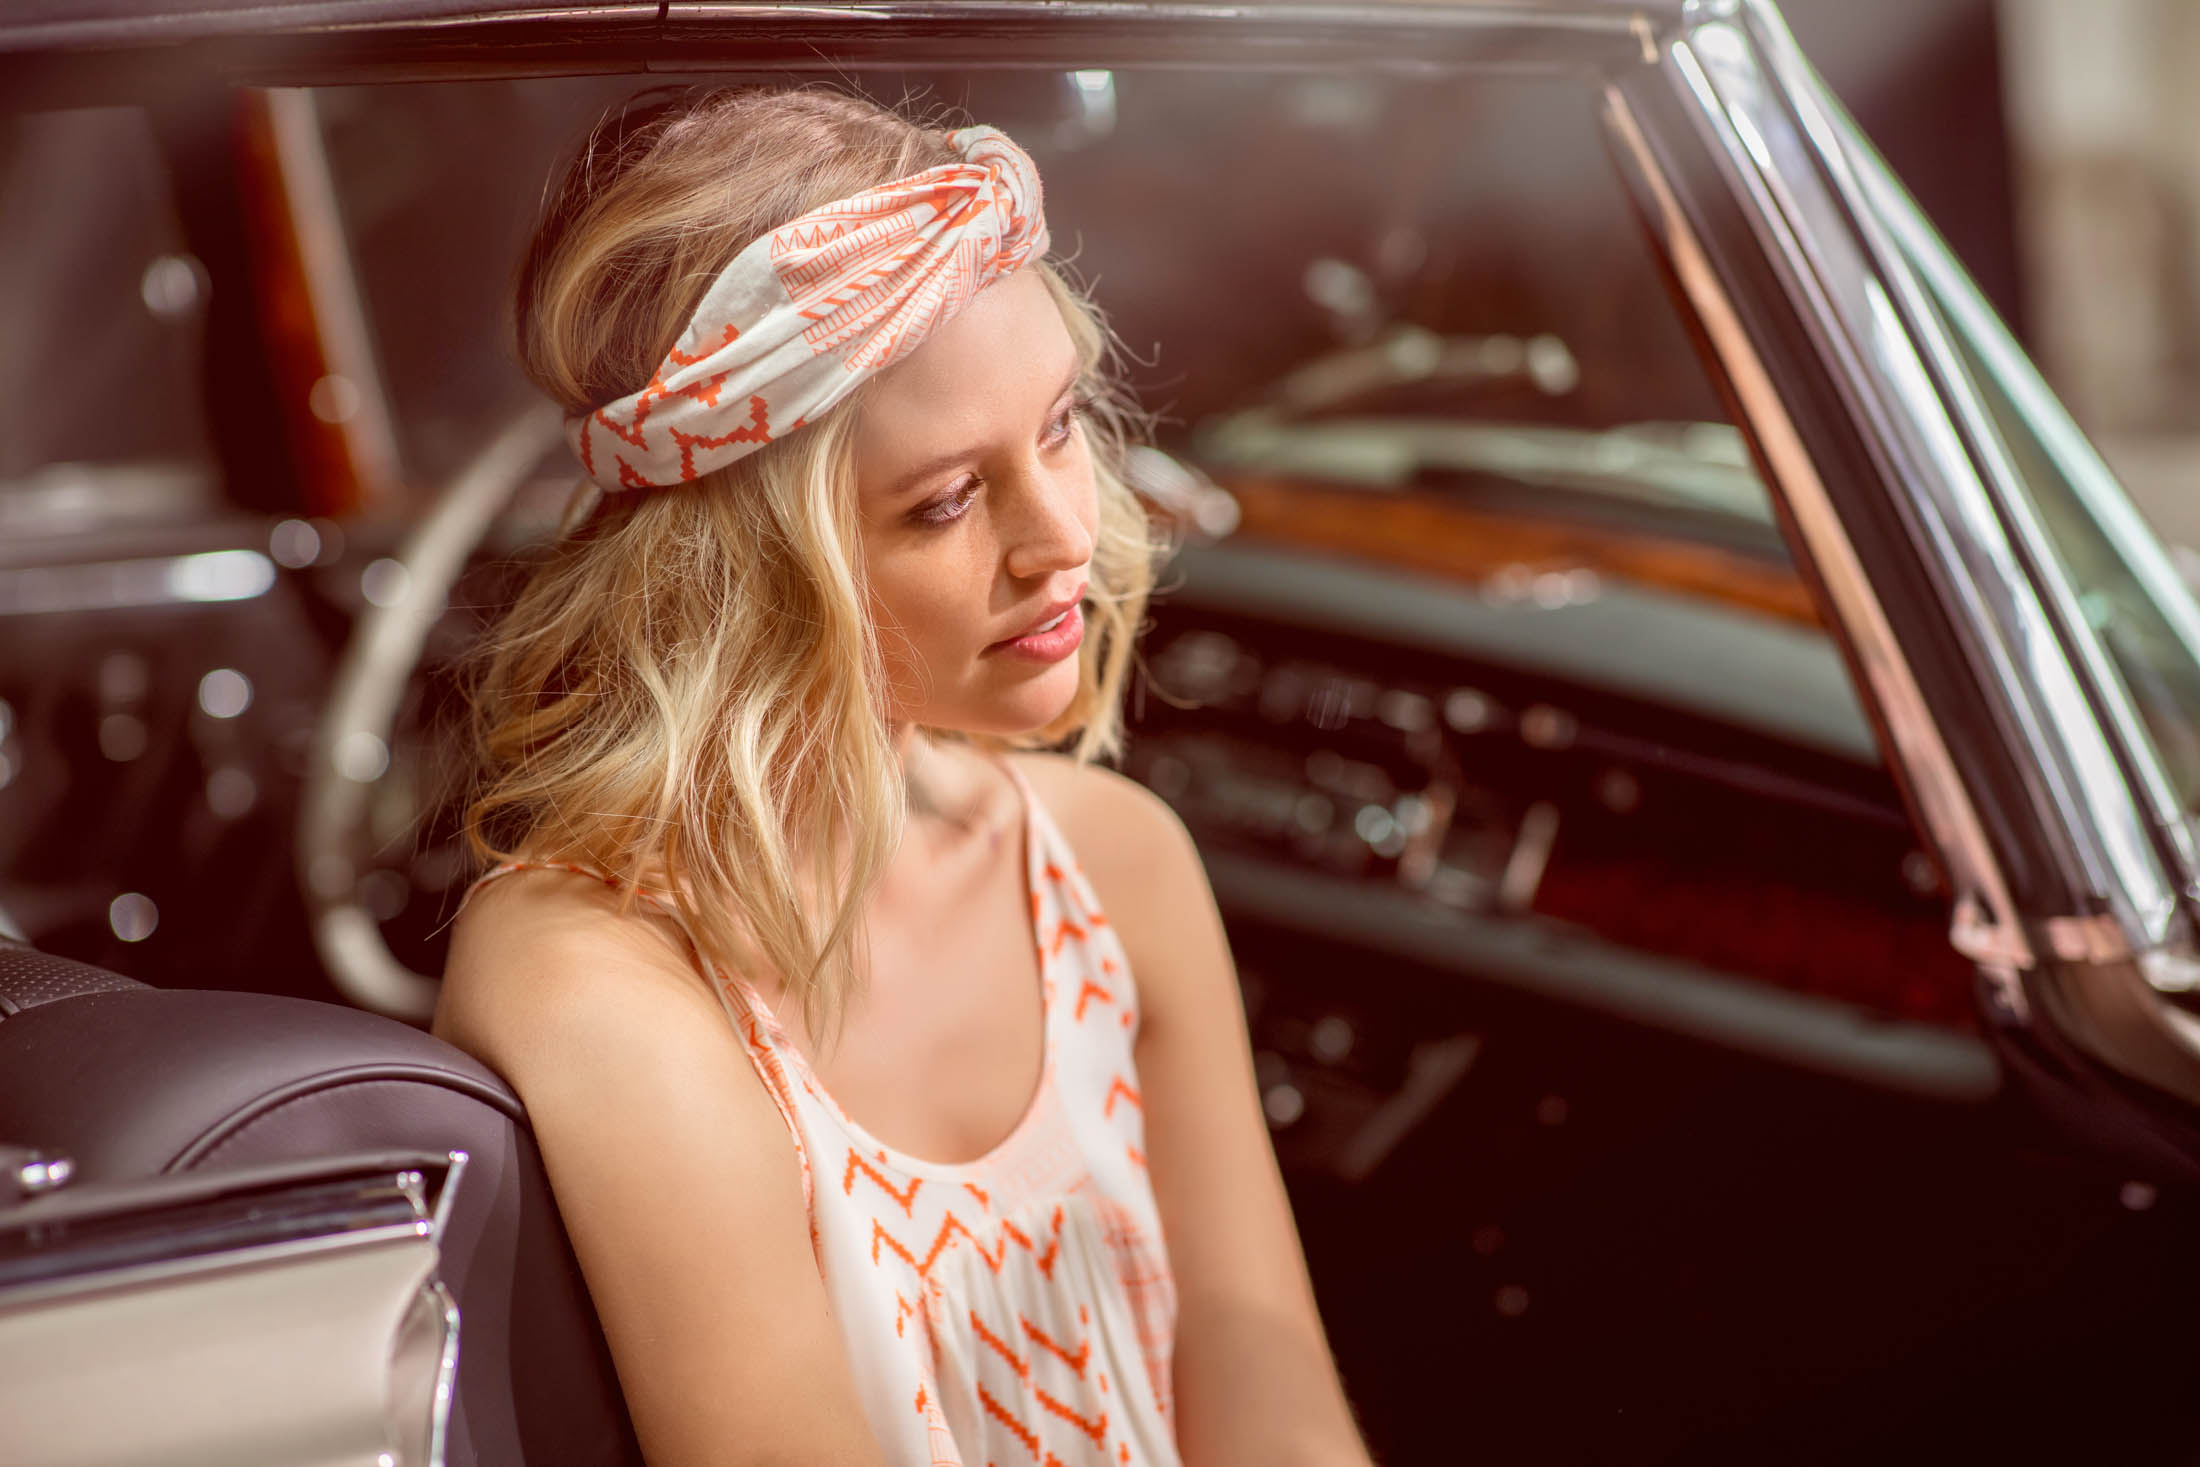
996	361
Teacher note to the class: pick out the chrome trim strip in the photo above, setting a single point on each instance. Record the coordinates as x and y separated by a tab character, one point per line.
93	1236
99	1278
446	1371
1619	22
1842	301
447	1194
2160	805
1988	931
1544	38
1988	534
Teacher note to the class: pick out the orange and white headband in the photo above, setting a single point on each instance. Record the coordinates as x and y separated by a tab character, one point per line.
808	311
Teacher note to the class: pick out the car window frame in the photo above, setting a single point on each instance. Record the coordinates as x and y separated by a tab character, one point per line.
1892	487
1954	296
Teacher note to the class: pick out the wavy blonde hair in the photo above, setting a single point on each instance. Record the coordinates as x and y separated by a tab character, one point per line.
688	694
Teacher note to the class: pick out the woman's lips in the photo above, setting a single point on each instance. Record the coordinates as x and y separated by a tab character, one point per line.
1049	644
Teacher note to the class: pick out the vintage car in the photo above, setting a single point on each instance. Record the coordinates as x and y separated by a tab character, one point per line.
1696	753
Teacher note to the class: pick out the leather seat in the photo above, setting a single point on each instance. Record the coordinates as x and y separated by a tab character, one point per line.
131	1082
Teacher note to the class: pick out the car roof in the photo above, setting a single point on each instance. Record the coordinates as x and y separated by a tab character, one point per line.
78	21
71	52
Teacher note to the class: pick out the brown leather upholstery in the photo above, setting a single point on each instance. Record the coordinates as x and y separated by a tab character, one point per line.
132	1081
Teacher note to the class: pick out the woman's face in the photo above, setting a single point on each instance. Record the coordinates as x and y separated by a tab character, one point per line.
978	510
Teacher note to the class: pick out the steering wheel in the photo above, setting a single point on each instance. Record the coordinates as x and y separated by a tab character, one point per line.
353	742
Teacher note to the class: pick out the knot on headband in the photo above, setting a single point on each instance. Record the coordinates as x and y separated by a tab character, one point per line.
803	314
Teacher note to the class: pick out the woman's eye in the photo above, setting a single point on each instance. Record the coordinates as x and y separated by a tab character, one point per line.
948	507
1064	423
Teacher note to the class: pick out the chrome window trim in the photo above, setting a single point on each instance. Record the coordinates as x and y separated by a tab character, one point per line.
2011	645
2171	825
2043	633
1984	928
1894	379
2088	976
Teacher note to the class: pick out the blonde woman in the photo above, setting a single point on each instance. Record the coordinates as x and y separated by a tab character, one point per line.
890	1074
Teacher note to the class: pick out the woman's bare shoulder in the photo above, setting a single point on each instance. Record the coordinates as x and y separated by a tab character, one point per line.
1130	844
677	1179
1106	815
540	958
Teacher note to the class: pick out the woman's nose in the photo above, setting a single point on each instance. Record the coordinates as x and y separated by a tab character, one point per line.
1053	526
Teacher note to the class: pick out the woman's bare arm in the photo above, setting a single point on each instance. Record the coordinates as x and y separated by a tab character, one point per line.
1254	1379
675	1175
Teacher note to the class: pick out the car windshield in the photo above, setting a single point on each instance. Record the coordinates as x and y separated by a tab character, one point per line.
1466	317
2132	597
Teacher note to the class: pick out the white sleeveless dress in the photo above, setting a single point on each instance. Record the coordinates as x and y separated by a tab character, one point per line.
1017	1308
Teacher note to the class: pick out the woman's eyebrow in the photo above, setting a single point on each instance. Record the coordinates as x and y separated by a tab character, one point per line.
941	461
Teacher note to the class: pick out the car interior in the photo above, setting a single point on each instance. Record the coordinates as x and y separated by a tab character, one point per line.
1629	1090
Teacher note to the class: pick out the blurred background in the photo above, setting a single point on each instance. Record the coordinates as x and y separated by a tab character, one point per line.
2057	145
2104	128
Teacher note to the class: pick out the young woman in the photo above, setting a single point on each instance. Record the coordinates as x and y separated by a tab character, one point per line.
892	1079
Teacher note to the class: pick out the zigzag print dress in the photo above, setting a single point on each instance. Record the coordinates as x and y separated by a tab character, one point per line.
1016	1309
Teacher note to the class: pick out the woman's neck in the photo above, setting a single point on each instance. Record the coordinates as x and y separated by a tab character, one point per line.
950	787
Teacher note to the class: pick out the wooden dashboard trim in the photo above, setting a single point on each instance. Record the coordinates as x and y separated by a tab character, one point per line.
1460	542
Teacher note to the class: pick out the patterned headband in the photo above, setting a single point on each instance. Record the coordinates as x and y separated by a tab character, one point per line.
808	311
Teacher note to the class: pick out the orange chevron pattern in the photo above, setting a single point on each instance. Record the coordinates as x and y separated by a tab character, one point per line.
1121	1089
758	430
1087	991
906	1197
1097	1428
1040	1338
1043	1257
1064	931
799	317
952	1228
1000	1347
1008	1418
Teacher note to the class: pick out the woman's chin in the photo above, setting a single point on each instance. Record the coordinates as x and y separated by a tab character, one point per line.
1027	707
